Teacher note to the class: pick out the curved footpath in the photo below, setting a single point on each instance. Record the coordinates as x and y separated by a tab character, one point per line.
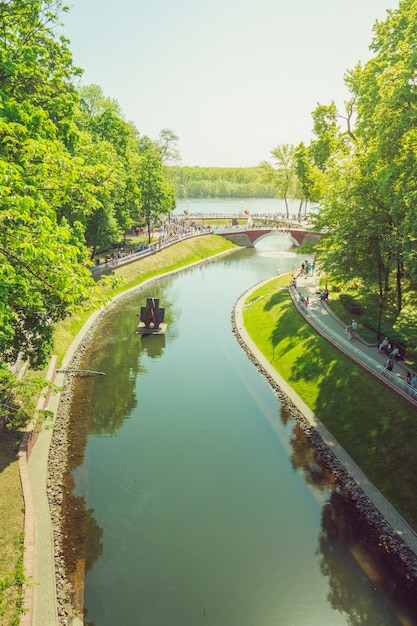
41	601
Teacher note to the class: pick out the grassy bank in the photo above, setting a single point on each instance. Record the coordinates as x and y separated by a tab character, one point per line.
376	428
11	497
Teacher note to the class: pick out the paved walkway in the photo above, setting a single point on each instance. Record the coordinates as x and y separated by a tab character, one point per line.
366	355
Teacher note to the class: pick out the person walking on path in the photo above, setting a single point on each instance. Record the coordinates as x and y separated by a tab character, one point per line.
395	352
389	365
354	327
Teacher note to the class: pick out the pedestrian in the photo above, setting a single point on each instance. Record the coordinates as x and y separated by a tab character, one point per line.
389	365
395	352
384	344
354	326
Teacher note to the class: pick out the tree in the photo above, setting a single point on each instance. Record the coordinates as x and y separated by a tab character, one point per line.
283	174
157	196
110	149
42	273
386	107
364	176
168	147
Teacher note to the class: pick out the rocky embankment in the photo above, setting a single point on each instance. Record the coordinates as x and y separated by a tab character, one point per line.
388	540
57	466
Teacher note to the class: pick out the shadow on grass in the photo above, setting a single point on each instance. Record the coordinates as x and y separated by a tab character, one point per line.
376	427
9	447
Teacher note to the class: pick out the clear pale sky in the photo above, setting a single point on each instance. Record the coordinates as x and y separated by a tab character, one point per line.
232	78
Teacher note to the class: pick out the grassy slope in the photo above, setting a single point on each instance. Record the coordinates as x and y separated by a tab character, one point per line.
376	427
11	523
11	498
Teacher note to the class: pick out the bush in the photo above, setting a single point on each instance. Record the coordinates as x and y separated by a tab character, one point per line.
350	304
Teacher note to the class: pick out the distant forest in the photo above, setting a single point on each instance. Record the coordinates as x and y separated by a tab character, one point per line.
219	182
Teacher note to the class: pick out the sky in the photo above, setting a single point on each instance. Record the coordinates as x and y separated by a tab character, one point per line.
232	78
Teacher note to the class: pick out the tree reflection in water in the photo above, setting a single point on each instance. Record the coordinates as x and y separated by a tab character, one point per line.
346	530
82	536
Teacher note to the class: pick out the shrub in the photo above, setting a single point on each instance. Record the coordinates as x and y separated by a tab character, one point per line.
350	304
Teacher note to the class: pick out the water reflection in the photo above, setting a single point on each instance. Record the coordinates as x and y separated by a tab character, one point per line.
153	345
344	529
213	508
347	540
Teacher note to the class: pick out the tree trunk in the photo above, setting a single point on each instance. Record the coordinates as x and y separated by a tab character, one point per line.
399	285
93	253
300	210
287	212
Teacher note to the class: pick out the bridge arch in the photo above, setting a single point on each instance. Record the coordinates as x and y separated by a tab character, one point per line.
274	233
247	237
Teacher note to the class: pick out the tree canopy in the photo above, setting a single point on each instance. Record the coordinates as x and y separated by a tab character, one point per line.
71	171
361	166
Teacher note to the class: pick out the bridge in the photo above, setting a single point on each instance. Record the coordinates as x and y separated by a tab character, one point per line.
246	237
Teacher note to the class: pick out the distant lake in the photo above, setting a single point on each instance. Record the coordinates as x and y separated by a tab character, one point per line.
237	205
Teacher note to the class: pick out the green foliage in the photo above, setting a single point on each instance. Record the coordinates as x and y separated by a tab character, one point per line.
350	304
283	176
18	397
406	326
11	589
364	176
41	274
157	195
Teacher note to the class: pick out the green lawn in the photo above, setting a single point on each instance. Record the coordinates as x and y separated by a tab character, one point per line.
376	427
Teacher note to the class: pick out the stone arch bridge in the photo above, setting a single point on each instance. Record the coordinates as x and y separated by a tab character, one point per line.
246	237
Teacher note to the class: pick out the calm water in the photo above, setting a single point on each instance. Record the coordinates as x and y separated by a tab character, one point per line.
233	205
198	500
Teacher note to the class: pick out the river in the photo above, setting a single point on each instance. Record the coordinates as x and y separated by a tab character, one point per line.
196	498
235	206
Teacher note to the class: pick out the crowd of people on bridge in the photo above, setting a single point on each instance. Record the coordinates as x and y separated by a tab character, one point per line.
172	229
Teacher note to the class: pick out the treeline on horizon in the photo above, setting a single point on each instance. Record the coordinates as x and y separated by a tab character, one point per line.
220	182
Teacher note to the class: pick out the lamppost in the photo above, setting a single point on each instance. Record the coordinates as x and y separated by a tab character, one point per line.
381	301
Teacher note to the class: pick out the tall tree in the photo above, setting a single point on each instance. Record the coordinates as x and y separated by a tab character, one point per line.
283	175
168	145
42	273
157	195
386	104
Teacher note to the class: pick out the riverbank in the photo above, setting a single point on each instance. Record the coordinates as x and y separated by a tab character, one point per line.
394	536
